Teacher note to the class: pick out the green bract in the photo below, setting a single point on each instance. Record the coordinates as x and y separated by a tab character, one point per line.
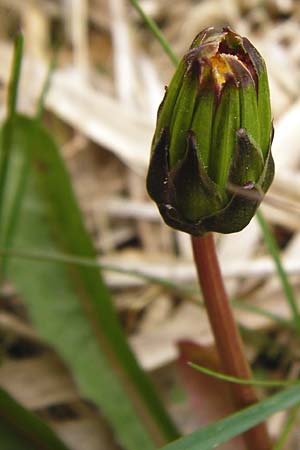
211	159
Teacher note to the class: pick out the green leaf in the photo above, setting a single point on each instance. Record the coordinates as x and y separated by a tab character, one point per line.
70	305
217	433
22	430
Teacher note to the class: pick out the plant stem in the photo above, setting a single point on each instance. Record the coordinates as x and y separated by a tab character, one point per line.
228	341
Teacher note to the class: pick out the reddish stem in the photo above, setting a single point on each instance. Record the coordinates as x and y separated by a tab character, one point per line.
227	337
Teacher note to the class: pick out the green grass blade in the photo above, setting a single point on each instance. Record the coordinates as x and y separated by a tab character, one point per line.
46	87
15	76
215	434
70	305
275	253
156	32
247	382
189	292
5	138
240	304
290	422
22	430
17	168
89	262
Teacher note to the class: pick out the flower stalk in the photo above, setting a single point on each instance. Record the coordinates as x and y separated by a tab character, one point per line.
210	167
227	337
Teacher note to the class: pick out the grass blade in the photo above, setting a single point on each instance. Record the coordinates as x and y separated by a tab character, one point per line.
15	76
213	435
5	138
156	32
189	292
17	168
250	382
290	422
46	87
70	305
22	430
275	253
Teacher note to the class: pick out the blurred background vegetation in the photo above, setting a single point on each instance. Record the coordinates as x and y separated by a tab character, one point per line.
100	113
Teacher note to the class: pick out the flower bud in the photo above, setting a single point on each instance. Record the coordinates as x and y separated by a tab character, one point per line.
211	159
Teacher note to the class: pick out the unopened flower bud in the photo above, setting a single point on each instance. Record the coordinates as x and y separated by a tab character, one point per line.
211	159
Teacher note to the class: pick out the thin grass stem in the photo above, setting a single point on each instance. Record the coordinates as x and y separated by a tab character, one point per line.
286	286
289	424
239	304
46	87
6	140
156	32
192	294
15	76
249	382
